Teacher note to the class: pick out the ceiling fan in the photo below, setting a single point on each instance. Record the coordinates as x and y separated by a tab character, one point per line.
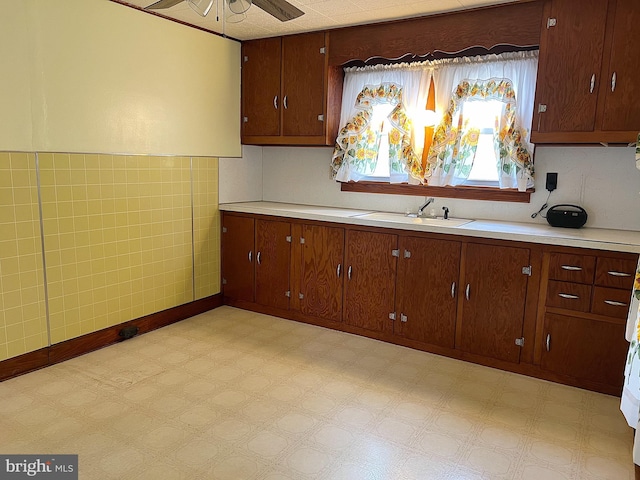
280	9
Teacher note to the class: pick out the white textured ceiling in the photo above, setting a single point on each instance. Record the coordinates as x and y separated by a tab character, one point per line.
319	15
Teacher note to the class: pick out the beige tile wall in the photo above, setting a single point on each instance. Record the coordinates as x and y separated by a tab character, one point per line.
118	235
23	325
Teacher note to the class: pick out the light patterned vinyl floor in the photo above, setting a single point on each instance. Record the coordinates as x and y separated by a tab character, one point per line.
233	395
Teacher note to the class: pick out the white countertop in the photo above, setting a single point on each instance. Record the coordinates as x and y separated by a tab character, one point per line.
596	238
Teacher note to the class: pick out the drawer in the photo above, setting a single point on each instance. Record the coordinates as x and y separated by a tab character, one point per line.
612	302
615	272
572	296
572	268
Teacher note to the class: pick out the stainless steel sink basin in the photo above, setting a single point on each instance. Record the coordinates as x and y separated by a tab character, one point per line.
413	220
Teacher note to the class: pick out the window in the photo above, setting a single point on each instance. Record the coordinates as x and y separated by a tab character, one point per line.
481	140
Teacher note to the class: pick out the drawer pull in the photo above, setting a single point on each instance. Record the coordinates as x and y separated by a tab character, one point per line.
548	343
616	304
338	270
250	256
571	268
467	292
453	290
569	296
619	274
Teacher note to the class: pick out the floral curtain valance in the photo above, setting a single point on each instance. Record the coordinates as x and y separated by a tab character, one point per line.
357	146
456	138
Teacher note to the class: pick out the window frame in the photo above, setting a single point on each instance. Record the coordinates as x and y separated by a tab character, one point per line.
462	192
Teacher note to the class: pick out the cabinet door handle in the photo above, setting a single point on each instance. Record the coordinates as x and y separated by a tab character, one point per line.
616	304
349	272
593	83
548	343
284	102
338	270
467	291
453	290
613	82
258	258
571	268
619	274
250	256
275	102
568	296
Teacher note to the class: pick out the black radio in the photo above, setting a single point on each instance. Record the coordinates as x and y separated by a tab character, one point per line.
570	216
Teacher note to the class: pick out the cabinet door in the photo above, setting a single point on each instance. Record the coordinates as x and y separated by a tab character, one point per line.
238	257
273	257
621	112
494	299
426	290
584	349
322	272
570	60
261	101
369	286
303	84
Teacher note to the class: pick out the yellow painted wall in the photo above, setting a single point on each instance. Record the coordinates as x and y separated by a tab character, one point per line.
23	325
96	76
16	77
124	237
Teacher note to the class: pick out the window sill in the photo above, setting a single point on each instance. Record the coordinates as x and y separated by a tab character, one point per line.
467	193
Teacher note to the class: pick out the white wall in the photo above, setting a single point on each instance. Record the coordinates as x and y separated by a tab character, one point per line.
241	178
603	180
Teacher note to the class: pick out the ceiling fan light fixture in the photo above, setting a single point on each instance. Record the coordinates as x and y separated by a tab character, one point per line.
239	6
201	7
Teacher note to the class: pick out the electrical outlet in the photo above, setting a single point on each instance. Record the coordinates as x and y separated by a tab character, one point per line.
552	181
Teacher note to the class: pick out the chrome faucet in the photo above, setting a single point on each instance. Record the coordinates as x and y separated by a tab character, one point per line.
429	201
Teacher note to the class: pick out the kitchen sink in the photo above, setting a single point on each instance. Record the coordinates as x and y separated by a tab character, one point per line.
413	220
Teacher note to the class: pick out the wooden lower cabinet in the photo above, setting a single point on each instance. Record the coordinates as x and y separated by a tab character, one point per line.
321	271
426	290
584	349
369	285
492	301
238	253
273	263
472	299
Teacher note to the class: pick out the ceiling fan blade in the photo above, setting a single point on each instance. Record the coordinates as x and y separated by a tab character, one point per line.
161	4
281	9
201	7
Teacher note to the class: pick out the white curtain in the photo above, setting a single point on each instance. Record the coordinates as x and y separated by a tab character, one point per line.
519	68
414	81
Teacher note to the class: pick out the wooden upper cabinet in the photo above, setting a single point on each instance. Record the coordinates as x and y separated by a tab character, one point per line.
492	300
571	65
621	82
584	47
289	94
261	98
370	279
303	61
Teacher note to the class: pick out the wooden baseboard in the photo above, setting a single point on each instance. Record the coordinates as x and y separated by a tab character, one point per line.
75	347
